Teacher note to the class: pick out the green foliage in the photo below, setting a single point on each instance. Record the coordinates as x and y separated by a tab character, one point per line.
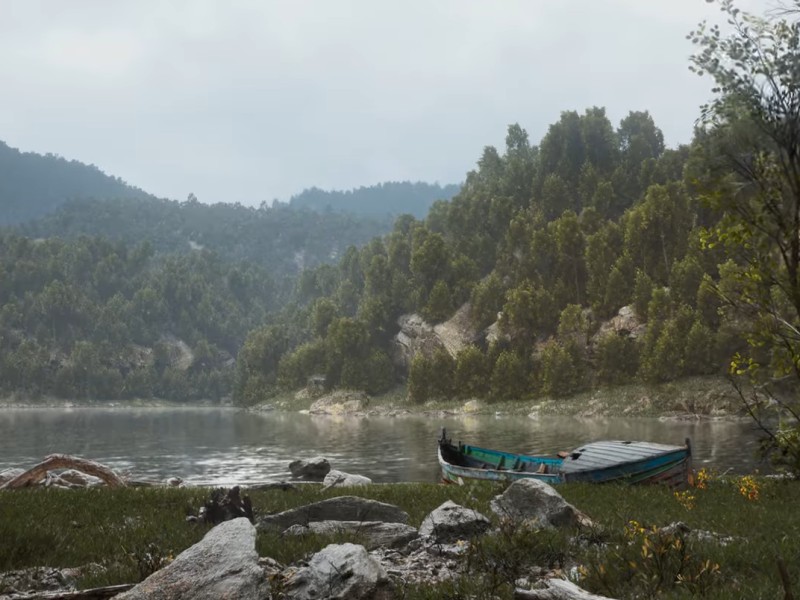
419	379
617	359
509	379
440	303
562	368
751	127
472	373
94	320
486	301
642	294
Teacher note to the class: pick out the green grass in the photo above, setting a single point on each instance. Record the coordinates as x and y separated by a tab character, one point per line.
118	528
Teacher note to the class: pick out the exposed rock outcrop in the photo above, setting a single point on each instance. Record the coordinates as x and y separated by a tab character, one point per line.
624	323
224	564
416	336
450	522
536	504
340	402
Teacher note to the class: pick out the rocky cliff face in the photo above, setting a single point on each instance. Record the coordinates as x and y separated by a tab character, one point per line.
417	336
625	323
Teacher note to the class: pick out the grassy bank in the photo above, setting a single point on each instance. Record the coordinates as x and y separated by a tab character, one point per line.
129	532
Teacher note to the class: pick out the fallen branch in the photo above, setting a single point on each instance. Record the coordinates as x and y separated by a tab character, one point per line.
63	461
100	593
557	589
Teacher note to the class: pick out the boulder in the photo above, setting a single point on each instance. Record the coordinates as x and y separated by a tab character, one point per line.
457	332
339	572
224	564
35	579
341	508
313	469
451	522
625	323
372	534
340	402
415	337
341	479
538	505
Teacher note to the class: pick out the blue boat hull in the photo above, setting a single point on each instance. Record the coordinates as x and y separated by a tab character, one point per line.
600	462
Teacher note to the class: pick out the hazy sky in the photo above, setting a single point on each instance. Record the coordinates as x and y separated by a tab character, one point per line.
243	101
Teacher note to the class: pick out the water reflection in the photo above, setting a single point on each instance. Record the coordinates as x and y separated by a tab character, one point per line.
219	446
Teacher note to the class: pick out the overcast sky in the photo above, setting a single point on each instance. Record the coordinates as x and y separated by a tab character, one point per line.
242	101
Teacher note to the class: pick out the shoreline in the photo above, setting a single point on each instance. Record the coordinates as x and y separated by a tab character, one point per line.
697	398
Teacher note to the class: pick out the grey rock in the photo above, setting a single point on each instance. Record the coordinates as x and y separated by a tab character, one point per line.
451	522
537	505
341	479
341	508
372	534
340	402
313	469
35	579
339	572
224	564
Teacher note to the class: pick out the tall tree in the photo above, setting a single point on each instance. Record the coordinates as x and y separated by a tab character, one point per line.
755	118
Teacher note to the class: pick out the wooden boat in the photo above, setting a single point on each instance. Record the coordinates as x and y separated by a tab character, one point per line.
598	462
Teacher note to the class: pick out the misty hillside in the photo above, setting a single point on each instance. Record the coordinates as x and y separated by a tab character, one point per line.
555	238
284	240
384	199
32	185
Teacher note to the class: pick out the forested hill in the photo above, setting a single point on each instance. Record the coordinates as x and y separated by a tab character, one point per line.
88	318
384	199
280	238
32	185
555	238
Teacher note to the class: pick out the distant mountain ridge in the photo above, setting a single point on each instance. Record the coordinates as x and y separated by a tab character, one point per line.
384	199
33	185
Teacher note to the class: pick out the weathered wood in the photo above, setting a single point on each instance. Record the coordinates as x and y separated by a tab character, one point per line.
63	461
557	589
99	593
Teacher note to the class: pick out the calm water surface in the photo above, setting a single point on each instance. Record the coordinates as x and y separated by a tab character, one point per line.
223	446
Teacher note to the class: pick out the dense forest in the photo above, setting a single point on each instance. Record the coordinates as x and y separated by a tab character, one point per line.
280	238
32	185
391	198
554	238
88	318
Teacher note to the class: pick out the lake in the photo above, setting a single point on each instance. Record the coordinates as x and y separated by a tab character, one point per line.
219	446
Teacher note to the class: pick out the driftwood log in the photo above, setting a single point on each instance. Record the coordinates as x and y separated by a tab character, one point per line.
557	589
63	461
